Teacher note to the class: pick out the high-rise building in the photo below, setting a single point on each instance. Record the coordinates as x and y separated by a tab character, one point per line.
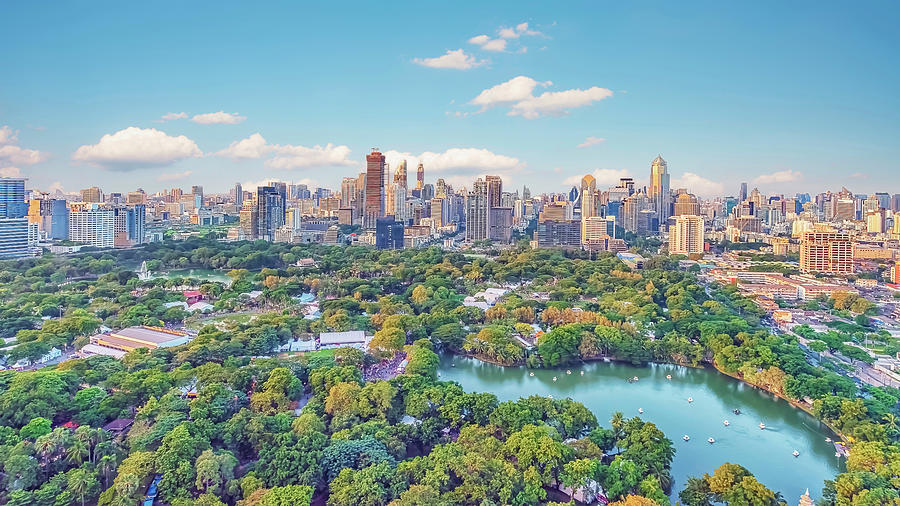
388	233
13	219
400	177
558	234
687	204
92	194
631	214
830	252
686	235
742	196
477	214
238	195
92	225
596	229
420	176
588	202
494	190
500	223
659	193
270	211
375	188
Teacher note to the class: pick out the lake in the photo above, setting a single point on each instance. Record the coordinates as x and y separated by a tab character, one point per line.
201	274
604	390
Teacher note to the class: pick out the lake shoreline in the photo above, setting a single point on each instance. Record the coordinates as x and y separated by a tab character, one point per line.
703	365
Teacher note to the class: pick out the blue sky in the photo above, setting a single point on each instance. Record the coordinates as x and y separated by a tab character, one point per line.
788	96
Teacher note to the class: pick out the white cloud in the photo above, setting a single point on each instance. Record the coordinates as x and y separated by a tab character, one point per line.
254	146
517	31
518	93
504	34
488	44
604	177
558	103
7	135
288	156
591	141
459	166
10	172
451	60
296	157
135	147
13	154
515	90
174	115
218	118
176	176
699	185
781	176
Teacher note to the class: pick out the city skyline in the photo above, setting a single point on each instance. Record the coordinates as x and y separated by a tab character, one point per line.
508	94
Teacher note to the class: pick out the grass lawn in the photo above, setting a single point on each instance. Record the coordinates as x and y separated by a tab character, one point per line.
237	318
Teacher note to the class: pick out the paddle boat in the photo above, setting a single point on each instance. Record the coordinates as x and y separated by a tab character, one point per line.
582	373
796	453
568	371
762	426
668	376
690	399
736	411
710	440
641	410
726	423
554	378
531	374
686	437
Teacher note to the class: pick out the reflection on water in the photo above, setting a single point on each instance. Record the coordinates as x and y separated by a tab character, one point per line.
604	389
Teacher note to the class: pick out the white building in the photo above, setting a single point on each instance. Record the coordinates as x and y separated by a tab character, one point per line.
351	338
93	226
686	236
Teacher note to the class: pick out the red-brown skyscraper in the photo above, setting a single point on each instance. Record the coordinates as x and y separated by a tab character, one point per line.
374	207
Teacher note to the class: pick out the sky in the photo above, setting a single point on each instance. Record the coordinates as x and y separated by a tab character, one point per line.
787	96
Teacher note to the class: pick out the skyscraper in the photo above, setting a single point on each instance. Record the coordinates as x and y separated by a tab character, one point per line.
400	178
588	202
92	194
477	211
742	196
375	191
494	190
420	176
658	193
270	211
238	195
13	220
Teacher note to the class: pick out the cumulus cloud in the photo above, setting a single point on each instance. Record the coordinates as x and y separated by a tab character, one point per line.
10	172
558	103
459	166
516	89
175	176
698	184
11	154
254	146
489	44
504	34
604	177
781	176
287	156
135	147
591	141
458	60
174	115
517	93
218	118
297	157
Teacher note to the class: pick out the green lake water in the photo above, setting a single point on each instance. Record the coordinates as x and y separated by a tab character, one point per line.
604	390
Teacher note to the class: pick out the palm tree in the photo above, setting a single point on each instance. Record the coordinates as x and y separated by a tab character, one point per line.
618	425
79	483
77	451
105	467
